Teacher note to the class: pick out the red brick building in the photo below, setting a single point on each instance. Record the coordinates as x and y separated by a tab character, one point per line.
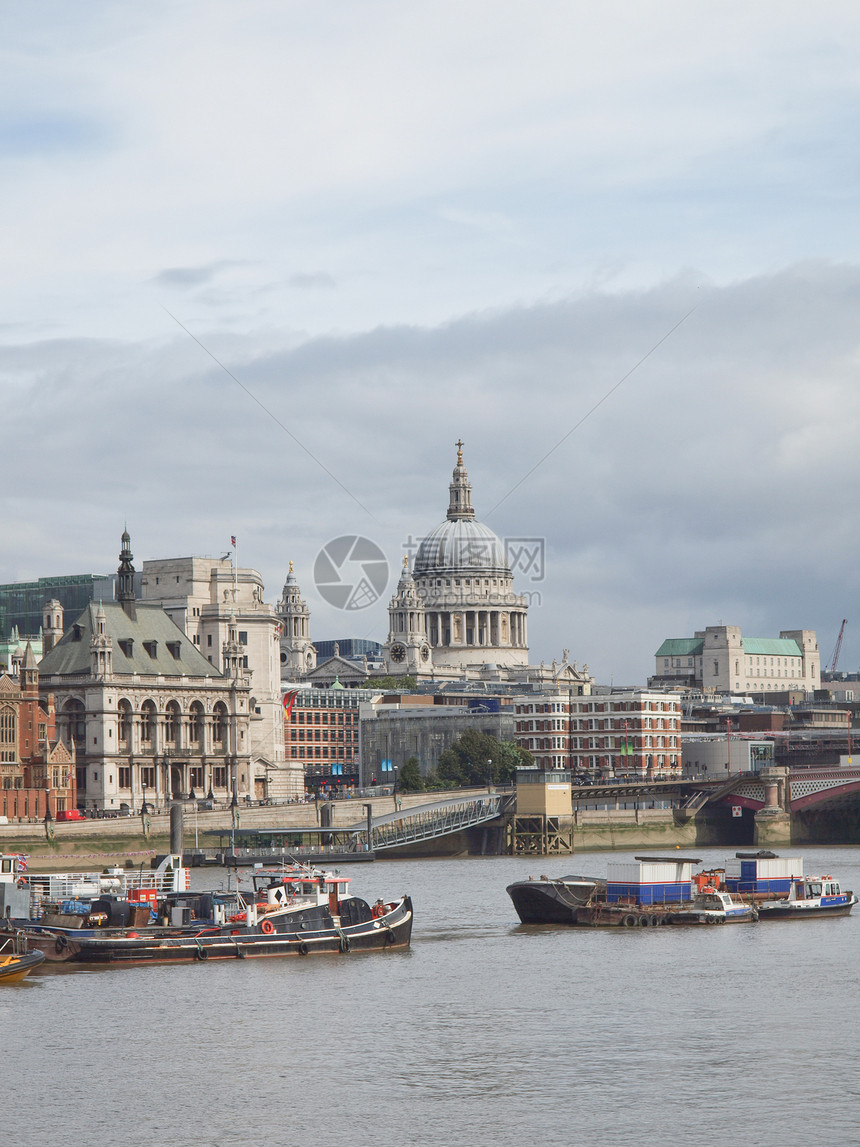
36	769
632	733
322	732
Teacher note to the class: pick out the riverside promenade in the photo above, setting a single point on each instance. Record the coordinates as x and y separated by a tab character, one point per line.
97	843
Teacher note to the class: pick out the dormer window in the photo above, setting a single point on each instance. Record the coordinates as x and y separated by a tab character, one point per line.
76	633
174	648
151	648
126	644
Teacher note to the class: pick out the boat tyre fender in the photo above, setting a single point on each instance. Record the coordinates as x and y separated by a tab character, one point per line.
60	944
267	927
201	953
643	921
655	920
344	943
303	948
390	938
629	921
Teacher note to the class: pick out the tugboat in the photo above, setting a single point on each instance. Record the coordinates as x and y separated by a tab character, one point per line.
809	897
294	911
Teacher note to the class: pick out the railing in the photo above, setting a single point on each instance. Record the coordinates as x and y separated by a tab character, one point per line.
695	801
426	822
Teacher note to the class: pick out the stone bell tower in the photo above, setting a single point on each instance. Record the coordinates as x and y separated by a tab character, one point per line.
298	655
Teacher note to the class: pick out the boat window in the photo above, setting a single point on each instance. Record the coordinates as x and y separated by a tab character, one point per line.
815	889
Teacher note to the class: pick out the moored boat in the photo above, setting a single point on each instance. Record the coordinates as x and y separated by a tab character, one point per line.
809	897
557	901
648	892
294	911
712	906
16	962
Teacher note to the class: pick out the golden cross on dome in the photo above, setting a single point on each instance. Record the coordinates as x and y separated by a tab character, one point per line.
459	445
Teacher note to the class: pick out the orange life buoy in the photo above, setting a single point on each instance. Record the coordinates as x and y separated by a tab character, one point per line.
268	927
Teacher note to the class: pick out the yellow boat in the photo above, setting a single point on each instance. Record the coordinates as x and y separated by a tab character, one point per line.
16	964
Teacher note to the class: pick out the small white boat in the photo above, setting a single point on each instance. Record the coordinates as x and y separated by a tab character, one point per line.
808	897
712	906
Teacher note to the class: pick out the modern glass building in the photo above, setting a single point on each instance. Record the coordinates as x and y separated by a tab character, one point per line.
348	647
22	603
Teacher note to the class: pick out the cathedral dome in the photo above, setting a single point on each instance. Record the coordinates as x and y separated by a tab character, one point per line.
464	547
461	544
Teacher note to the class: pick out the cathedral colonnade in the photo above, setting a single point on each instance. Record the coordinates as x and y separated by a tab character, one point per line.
477	627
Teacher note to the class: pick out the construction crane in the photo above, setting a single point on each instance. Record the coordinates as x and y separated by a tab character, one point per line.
834	661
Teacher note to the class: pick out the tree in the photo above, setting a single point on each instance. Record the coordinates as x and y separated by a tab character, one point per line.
409	779
479	759
391	684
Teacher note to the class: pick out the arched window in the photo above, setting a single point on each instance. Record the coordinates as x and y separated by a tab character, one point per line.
219	724
74	715
124	722
8	734
195	724
147	722
172	724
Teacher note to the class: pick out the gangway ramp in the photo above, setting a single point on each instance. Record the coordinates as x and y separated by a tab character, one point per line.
408	826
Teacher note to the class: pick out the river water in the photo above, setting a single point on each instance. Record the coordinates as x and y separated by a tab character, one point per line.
485	1033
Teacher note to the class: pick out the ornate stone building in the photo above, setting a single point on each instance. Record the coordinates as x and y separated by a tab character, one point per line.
210	597
456	614
149	716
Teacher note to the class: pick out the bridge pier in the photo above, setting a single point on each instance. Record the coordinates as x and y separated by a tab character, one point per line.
773	820
540	835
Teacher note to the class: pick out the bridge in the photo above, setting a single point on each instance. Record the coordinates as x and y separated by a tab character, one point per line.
824	789
361	840
818	796
429	821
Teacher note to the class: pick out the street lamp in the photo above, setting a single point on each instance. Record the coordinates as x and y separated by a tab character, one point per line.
49	827
489	774
234	816
394	787
143	786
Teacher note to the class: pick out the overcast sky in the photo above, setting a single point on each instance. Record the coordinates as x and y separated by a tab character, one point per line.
397	225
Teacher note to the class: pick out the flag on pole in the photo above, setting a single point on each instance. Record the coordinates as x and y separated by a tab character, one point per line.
232	540
289	701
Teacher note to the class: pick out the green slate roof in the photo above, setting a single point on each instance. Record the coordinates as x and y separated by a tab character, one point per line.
152	629
680	647
754	646
772	646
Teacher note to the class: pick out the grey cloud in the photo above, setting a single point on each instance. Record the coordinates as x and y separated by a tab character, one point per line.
716	483
184	277
311	282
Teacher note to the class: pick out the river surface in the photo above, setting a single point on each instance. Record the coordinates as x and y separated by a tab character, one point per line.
485	1033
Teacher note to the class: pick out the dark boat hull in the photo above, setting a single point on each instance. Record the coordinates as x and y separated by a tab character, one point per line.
392	931
550	901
